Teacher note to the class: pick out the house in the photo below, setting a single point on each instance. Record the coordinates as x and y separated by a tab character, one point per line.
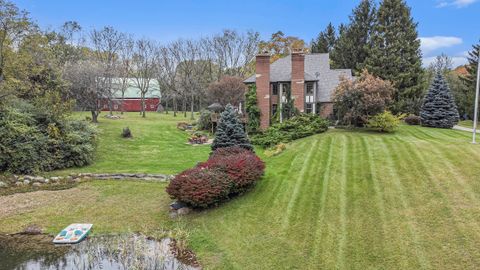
306	77
132	101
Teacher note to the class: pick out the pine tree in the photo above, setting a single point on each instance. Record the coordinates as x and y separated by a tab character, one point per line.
439	109
470	80
394	54
351	48
325	40
230	131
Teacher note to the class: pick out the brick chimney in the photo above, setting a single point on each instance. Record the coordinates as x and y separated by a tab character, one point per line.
262	70
298	79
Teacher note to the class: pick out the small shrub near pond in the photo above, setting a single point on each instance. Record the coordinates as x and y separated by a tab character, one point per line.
297	127
228	172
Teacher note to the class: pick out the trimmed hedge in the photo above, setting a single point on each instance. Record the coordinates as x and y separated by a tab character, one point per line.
297	127
228	172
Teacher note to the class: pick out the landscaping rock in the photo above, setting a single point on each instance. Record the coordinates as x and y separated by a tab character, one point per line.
36	184
3	184
55	179
184	211
26	182
19	184
38	179
32	230
177	205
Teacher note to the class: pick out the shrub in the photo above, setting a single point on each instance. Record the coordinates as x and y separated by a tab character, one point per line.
126	133
32	140
356	100
384	122
228	171
412	120
297	127
242	168
200	187
205	120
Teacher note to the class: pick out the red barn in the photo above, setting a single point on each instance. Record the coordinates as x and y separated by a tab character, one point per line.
131	99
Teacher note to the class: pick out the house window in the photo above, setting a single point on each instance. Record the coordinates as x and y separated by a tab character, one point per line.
274	109
285	92
274	89
309	107
309	93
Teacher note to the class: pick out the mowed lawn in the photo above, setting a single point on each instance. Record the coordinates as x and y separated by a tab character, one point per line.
157	145
338	200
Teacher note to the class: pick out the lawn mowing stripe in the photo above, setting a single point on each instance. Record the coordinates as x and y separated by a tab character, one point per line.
298	184
307	205
343	204
279	179
371	160
323	196
440	184
392	151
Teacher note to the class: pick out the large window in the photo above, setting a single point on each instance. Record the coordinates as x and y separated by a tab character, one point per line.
285	92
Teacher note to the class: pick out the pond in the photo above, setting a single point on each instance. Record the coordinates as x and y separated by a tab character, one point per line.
34	252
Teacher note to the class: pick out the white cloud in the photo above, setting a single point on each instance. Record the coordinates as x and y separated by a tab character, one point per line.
430	44
455	3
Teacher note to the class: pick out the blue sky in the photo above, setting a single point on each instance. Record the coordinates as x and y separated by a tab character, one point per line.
449	26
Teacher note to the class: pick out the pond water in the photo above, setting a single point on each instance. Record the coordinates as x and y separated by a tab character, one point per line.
37	252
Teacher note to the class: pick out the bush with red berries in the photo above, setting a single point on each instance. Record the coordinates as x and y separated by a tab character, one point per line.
228	172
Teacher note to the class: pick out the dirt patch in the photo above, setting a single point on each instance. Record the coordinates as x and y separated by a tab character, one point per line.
27	202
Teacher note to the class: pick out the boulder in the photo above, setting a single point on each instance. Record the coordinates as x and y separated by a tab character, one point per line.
3	184
36	184
26	182
19	184
32	230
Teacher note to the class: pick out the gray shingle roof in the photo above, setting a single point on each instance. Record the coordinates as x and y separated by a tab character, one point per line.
317	68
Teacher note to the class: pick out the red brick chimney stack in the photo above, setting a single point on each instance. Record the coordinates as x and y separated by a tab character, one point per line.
262	70
298	79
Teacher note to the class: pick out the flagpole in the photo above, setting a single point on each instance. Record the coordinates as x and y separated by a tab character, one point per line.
475	117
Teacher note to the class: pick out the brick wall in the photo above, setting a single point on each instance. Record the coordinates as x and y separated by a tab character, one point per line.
262	70
298	80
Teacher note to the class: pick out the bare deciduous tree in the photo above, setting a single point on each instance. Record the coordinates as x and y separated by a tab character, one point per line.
106	44
144	67
125	67
86	86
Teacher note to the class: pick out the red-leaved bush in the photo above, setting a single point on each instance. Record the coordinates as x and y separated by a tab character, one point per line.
228	171
200	187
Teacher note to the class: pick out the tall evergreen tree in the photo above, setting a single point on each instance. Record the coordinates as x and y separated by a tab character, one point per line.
394	54
351	48
325	41
470	80
439	109
230	131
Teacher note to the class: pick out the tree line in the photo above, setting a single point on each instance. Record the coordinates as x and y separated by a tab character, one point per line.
92	66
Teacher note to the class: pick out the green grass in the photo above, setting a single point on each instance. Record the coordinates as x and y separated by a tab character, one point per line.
157	145
338	200
466	123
